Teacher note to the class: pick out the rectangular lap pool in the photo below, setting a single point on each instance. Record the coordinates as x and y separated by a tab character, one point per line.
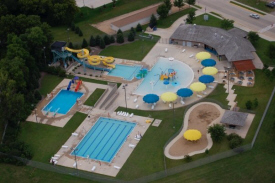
127	72
62	102
104	139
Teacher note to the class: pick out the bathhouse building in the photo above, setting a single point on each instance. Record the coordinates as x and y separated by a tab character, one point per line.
231	45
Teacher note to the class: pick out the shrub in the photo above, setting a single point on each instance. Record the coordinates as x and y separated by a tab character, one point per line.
153	21
256	103
102	44
97	40
92	41
62	73
235	142
120	38
71	45
138	28
187	158
119	32
217	132
206	151
133	31
91	75
84	43
131	37
162	11
248	105
80	33
227	24
231	136
72	26
37	95
112	39
76	30
107	40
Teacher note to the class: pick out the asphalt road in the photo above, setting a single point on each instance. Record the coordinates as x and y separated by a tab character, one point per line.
241	16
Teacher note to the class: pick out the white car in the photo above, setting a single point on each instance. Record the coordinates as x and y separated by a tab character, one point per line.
254	16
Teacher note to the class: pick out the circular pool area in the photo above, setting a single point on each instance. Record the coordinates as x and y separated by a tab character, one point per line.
166	76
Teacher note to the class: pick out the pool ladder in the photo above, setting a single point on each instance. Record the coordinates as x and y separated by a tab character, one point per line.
55	112
47	112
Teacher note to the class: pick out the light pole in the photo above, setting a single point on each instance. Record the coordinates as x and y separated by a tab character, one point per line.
75	149
35	115
44	55
68	35
227	69
124	88
173	115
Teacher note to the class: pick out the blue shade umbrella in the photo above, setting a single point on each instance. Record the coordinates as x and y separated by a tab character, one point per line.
184	92
166	82
151	98
206	79
208	63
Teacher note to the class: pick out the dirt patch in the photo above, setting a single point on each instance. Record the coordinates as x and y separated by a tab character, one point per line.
199	119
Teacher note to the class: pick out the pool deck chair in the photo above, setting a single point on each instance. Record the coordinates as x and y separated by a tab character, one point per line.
215	81
75	134
117	167
170	105
153	107
183	51
166	50
182	102
210	86
204	92
131	115
132	146
135	100
137	106
93	169
199	96
191	55
74	165
64	146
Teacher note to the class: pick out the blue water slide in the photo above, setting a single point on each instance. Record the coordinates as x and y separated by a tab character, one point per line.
89	66
69	86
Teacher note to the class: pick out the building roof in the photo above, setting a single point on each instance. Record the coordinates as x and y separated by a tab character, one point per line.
136	17
234	47
245	65
234	118
238	32
57	45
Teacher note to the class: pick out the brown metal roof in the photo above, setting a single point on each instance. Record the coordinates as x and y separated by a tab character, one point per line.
244	65
136	17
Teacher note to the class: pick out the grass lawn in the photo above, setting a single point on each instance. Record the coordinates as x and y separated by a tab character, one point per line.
167	22
94	97
46	140
256	4
88	16
262	51
90	80
212	21
219	95
48	83
136	50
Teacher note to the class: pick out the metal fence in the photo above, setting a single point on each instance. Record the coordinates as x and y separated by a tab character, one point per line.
157	175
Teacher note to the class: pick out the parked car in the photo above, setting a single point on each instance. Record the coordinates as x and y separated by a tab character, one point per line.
270	5
272	2
254	16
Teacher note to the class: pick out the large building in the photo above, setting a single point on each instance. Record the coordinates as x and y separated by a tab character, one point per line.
232	45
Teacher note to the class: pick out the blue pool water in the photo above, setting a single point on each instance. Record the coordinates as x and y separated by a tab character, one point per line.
153	84
104	139
63	102
126	72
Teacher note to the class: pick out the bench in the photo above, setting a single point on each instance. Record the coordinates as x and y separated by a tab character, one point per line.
117	167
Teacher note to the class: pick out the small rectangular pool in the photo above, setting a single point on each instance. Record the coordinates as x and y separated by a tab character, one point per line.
104	139
62	102
127	72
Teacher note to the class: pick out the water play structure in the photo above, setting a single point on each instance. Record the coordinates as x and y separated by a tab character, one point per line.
63	53
142	73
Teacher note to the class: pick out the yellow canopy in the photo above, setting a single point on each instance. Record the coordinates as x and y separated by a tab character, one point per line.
192	134
210	70
197	87
203	55
168	96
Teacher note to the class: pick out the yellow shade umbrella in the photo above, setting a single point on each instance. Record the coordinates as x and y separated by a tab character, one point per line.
197	87
210	70
169	97
203	55
192	134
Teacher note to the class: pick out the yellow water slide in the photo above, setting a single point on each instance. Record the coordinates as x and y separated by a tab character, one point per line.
93	59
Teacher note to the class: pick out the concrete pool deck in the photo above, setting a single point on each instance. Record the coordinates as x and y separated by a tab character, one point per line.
109	169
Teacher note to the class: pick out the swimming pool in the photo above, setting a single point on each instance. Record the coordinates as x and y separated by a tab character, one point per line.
126	72
152	83
104	139
62	102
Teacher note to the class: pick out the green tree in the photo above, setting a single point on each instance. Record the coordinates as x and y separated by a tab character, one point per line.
248	105
227	24
217	132
179	4
119	32
131	37
191	2
76	30
72	26
153	21
168	4
138	28
80	33
106	39
133	31
114	3
97	40
120	38
162	11
92	41
190	17
71	45
102	43
112	39
253	37
84	43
